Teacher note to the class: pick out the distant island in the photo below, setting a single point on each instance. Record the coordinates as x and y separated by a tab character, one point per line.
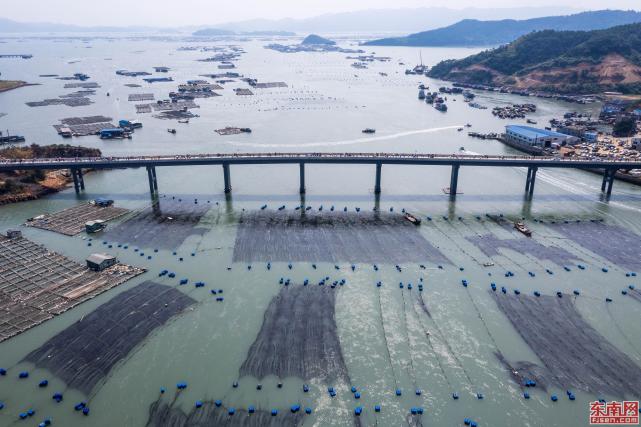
213	32
472	32
568	62
315	39
18	186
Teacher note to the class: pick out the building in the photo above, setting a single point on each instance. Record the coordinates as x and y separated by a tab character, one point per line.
112	133
537	138
98	262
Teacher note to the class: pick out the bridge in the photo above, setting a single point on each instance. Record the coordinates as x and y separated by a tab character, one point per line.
608	167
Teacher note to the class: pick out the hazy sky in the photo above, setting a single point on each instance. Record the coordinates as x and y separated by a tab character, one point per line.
196	12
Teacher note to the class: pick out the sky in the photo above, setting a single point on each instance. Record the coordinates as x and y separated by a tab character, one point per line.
199	12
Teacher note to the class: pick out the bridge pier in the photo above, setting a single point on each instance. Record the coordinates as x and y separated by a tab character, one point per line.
610	181
153	182
531	178
227	177
78	180
76	183
377	184
302	178
454	180
81	179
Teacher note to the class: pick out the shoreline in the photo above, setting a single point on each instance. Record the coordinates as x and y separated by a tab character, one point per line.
537	152
54	182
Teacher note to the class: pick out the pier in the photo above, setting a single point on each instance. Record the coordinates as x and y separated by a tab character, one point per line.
454	161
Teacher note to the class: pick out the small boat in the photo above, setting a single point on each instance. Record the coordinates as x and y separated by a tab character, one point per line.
520	226
411	218
467	125
183	121
459	129
369	130
488	264
421	94
171	130
441	107
461	148
530	121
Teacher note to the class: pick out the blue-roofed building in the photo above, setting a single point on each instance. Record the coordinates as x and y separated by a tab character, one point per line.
537	138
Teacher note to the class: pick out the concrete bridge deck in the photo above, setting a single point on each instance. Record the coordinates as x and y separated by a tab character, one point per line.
455	161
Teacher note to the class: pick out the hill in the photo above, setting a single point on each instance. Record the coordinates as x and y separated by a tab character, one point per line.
556	61
472	32
211	32
314	39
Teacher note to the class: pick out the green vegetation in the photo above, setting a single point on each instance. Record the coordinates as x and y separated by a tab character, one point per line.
48	151
472	32
625	127
20	182
554	50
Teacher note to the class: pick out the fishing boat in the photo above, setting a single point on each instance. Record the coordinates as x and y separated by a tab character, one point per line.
369	130
411	218
442	107
171	130
520	226
421	94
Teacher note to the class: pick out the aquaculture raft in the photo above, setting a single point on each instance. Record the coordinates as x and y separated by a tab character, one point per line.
84	353
72	221
38	284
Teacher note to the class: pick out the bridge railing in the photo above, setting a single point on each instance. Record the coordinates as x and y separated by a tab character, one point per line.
303	156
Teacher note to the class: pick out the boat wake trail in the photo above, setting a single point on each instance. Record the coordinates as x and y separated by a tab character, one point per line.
347	141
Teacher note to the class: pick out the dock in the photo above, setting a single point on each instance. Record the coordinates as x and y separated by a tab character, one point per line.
71	221
38	284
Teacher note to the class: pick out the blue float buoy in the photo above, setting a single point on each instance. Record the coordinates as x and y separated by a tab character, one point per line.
308	410
305	388
230	411
295	408
554	398
526	395
23	374
358	410
43	383
398	392
455	396
357	395
199	404
251	409
57	397
274	412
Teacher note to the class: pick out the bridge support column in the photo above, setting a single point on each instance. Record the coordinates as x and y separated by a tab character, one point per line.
153	184
377	185
81	179
227	177
528	179
301	190
76	182
454	180
610	181
530	190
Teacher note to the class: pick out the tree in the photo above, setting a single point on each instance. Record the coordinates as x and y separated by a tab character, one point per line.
626	126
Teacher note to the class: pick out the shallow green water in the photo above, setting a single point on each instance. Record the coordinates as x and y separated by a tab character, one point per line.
206	345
